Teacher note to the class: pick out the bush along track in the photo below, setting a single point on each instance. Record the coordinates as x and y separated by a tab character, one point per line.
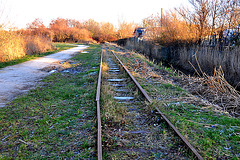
213	132
57	120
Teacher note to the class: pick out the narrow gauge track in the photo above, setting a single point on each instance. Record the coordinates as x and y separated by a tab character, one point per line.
130	129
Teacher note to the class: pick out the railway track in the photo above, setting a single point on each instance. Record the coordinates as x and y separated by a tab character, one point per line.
131	128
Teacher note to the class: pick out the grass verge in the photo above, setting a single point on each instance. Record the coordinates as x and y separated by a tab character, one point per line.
59	47
57	119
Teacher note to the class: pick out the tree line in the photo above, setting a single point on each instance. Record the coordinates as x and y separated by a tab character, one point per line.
69	30
192	24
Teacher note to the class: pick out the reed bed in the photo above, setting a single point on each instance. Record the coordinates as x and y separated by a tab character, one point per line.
217	90
211	58
218	71
14	45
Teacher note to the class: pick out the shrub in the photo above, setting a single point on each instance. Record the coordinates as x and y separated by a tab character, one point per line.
12	46
76	34
37	44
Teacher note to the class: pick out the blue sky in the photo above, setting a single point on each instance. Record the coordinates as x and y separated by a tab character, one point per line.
21	12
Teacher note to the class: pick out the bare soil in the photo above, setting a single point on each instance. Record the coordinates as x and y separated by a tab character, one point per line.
18	79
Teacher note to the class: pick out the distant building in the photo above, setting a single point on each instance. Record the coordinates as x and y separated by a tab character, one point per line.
139	33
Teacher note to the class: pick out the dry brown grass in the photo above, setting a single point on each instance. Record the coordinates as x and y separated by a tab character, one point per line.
211	58
223	93
12	46
36	44
203	59
219	84
140	68
217	89
15	45
104	67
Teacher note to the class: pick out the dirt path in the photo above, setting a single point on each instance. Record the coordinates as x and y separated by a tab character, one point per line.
18	79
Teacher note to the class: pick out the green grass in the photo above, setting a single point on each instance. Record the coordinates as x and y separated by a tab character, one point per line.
215	134
59	47
55	120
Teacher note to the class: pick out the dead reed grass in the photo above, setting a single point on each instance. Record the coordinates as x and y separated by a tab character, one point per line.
218	83
139	67
36	44
14	45
211	58
222	92
208	58
223	66
217	89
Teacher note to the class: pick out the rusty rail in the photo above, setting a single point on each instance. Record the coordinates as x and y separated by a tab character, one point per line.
99	137
194	151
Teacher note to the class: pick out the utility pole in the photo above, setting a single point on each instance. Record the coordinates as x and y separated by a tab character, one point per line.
161	16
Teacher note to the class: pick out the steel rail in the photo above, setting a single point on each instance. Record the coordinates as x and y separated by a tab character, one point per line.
194	151
99	136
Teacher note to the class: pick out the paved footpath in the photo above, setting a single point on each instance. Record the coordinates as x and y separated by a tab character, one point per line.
18	79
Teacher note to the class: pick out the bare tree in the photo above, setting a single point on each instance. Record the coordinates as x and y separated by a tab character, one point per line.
201	16
93	27
234	13
154	29
215	13
125	30
37	23
107	32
